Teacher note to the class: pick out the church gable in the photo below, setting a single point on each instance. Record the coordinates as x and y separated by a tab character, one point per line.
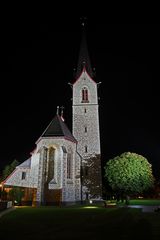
19	177
84	90
25	174
25	164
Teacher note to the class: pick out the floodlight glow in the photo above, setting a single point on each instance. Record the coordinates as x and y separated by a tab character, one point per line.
90	207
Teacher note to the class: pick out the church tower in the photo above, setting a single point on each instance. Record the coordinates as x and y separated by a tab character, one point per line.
85	117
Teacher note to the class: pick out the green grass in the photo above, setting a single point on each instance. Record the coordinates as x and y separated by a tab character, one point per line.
146	202
79	223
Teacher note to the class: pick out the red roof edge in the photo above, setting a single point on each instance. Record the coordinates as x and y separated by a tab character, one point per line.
84	70
3	182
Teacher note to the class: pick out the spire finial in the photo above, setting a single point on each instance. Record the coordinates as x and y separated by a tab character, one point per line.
62	113
57	110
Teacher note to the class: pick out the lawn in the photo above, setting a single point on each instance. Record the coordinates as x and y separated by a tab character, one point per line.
79	223
145	202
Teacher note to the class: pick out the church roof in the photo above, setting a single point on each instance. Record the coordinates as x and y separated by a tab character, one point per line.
84	59
25	164
58	128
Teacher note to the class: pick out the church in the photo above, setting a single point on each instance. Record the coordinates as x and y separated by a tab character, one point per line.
65	166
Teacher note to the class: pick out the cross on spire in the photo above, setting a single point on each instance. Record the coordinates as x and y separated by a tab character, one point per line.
57	110
83	20
62	112
61	109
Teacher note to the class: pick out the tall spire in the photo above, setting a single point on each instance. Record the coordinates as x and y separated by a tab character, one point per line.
84	59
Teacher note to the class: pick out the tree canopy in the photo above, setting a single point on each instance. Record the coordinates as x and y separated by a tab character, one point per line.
91	175
9	169
129	173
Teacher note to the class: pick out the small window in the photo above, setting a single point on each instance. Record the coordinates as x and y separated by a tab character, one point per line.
86	171
85	110
23	175
85	129
69	166
86	150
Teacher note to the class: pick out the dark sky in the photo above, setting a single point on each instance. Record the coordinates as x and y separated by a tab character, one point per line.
37	62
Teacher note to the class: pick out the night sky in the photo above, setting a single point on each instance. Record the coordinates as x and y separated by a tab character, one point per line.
38	61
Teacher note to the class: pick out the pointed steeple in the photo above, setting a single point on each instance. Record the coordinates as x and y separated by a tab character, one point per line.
84	59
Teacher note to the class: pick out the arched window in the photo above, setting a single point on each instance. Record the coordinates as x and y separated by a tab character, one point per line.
51	164
85	95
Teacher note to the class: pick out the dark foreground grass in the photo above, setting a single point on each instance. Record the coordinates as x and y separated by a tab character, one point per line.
79	223
144	202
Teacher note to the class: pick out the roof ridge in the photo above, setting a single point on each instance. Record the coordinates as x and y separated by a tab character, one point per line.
56	128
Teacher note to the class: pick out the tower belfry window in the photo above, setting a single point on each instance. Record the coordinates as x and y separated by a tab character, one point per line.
85	95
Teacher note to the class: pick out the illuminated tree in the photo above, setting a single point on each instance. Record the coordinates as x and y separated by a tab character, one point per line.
129	173
91	175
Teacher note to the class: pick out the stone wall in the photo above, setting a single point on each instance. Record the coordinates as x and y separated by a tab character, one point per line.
86	116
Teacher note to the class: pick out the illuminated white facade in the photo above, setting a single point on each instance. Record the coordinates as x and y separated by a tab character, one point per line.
53	169
86	115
